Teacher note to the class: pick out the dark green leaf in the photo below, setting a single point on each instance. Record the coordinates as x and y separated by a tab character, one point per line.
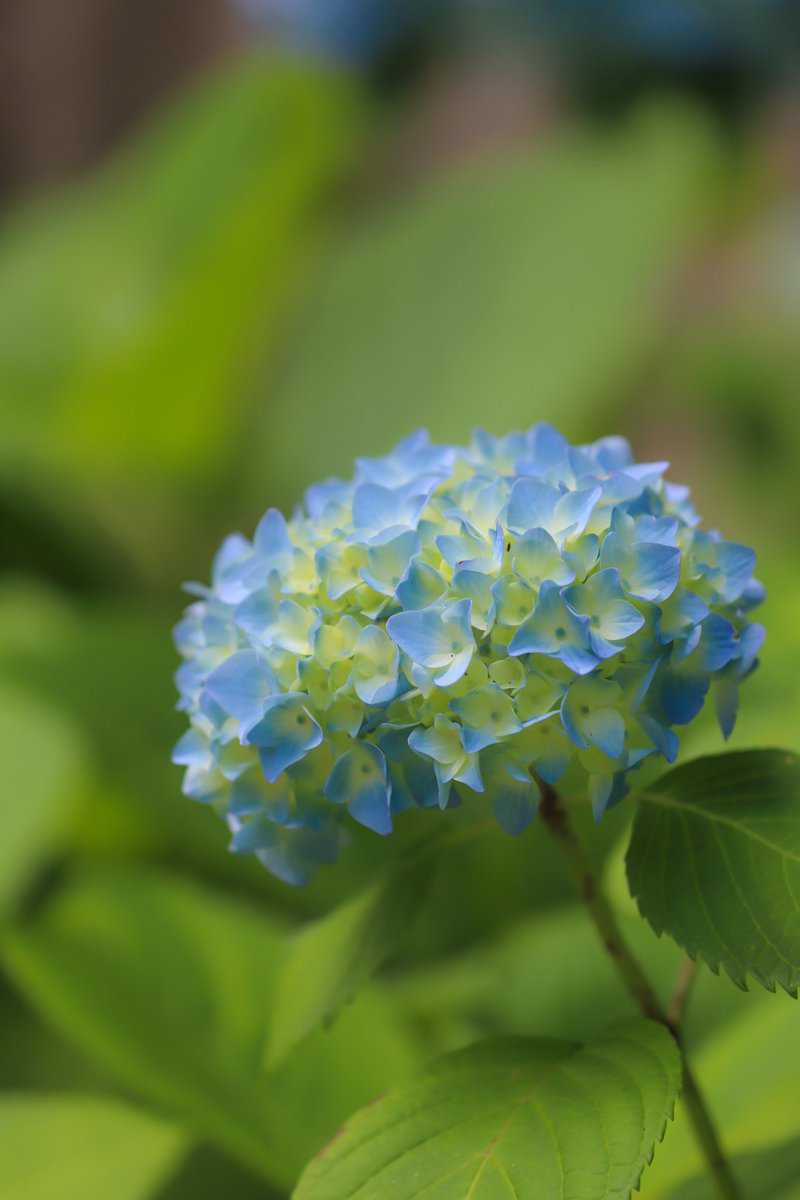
514	1118
714	861
81	1148
331	959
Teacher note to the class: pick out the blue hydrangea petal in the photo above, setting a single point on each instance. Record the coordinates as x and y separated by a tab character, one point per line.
241	684
512	601
536	557
271	539
663	738
284	734
683	691
679	614
555	629
359	779
599	789
611	618
375	666
514	795
387	562
413	780
251	793
718	644
339	565
292	855
440	742
192	750
733	561
377	509
648	570
476	587
439	638
421	586
531	505
726	704
487	715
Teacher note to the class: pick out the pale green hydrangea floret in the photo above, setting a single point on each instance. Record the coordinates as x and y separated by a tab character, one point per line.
455	619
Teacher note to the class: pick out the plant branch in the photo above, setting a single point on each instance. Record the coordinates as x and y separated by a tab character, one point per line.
636	981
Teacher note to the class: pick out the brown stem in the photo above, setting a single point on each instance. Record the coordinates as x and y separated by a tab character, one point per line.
580	870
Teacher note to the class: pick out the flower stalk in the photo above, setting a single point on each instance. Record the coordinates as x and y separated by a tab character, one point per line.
639	987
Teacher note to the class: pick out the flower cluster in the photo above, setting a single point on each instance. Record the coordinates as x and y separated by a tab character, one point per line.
455	618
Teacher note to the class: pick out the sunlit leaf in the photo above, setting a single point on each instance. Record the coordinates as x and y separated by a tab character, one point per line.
522	1118
332	958
90	1148
45	770
714	861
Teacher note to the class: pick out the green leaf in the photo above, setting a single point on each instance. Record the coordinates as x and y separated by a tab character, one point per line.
89	1148
714	861
159	982
512	1118
165	274
331	959
523	288
45	768
168	987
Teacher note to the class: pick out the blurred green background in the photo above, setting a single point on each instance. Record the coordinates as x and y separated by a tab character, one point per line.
238	247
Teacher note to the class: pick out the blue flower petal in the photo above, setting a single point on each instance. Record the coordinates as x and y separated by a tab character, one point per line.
285	733
240	685
514	795
359	779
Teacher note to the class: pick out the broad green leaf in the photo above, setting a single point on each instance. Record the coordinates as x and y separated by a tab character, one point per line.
714	861
521	1118
168	987
165	273
774	1172
523	288
54	1147
45	770
332	958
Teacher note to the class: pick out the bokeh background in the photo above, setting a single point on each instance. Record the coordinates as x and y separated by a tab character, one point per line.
241	243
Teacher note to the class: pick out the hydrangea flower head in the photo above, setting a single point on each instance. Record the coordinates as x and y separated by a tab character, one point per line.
454	618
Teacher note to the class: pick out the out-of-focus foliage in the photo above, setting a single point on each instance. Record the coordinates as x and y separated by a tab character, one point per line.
545	274
134	308
221	315
130	307
95	1148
